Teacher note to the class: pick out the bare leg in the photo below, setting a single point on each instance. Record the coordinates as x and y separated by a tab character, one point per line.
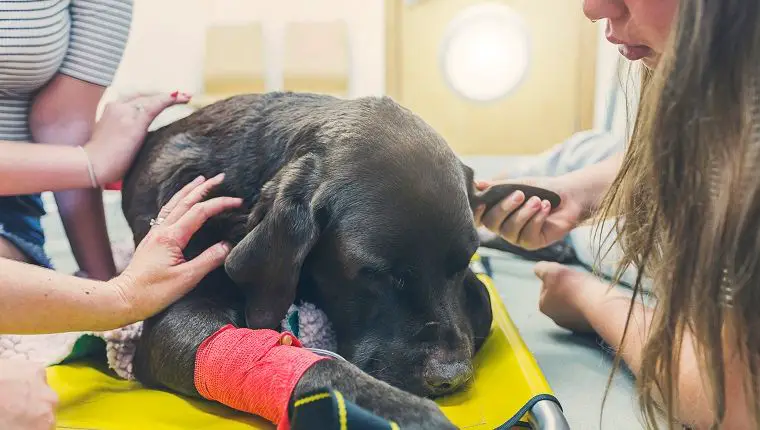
9	250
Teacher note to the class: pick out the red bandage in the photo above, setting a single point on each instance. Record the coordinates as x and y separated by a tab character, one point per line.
253	371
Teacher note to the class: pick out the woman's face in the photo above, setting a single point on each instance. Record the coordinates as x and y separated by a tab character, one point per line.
639	28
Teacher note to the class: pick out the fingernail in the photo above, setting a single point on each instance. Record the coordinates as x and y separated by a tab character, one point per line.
226	247
286	340
545	204
534	202
175	94
219	176
199	179
517	196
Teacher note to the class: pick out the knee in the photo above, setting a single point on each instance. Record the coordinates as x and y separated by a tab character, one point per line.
9	251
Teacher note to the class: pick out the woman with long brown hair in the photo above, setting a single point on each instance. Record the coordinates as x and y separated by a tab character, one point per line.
686	199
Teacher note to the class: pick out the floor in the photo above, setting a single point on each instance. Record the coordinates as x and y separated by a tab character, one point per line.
577	368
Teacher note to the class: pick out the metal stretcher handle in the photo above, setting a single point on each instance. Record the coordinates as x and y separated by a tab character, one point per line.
547	415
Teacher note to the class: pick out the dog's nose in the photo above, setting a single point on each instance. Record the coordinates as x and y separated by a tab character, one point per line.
443	378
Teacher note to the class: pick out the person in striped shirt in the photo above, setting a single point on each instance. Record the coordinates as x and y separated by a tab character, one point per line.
56	59
37	300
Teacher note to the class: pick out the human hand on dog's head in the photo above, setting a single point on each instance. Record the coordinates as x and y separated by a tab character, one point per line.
158	274
531	221
120	132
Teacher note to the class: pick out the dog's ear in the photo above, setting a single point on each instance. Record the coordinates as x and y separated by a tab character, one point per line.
478	308
282	229
469	176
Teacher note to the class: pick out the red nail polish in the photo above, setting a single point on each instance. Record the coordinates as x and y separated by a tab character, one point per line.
174	94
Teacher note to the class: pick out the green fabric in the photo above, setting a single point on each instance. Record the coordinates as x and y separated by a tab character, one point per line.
86	346
291	323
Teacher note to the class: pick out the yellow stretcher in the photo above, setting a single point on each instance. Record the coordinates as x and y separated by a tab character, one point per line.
509	391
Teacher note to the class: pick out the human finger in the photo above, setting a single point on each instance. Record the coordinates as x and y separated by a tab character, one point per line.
49	395
136	95
477	214
482	185
494	218
193	219
195	196
513	226
208	260
154	104
541	269
532	232
177	197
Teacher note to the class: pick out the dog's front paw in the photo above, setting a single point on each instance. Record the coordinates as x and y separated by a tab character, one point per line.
420	414
381	399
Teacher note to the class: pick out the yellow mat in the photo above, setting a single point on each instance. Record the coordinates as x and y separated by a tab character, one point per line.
507	377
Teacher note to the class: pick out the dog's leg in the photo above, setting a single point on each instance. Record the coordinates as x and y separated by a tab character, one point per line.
166	352
407	410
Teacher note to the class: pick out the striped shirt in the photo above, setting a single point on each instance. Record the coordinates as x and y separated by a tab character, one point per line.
84	39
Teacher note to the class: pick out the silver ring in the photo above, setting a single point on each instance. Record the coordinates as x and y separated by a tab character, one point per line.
154	221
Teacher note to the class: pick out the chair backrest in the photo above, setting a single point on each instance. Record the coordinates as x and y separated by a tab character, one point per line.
234	60
316	57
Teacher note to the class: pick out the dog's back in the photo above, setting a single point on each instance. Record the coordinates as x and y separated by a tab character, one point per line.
249	138
231	136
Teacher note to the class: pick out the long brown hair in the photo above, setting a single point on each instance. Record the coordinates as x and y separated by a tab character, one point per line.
687	203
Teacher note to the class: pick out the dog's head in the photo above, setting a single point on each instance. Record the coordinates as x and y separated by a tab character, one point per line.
374	227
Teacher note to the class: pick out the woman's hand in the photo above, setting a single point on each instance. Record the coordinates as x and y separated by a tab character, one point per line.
120	132
26	400
567	295
536	224
158	274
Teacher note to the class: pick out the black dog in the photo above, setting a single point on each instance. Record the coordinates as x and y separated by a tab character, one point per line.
357	206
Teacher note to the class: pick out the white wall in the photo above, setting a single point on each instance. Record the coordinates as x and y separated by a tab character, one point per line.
166	44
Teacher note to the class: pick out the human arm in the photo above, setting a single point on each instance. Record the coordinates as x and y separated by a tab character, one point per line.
63	112
37	300
113	145
27	169
579	302
535	224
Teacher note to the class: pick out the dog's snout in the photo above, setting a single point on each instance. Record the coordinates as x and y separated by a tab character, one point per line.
445	377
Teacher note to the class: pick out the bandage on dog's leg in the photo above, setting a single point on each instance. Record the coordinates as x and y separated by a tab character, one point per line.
253	371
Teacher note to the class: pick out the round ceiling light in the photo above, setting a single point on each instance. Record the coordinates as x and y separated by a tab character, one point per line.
485	52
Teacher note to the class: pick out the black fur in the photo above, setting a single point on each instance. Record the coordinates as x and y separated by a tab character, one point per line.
357	206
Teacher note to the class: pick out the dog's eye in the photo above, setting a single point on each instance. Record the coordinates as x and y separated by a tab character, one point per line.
381	276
